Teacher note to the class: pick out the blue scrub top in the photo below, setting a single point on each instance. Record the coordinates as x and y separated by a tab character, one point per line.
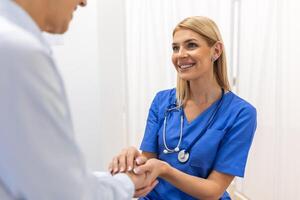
223	147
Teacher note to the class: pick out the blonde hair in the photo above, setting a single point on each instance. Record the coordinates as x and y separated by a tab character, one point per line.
209	31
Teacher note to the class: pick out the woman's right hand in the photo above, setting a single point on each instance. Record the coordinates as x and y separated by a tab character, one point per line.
126	160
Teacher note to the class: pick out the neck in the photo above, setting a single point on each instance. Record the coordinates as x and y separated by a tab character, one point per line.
204	91
35	9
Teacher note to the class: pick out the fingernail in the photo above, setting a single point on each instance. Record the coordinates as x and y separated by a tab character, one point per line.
115	170
138	161
136	170
129	169
122	169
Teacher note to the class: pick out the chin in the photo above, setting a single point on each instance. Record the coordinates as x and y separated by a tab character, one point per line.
63	30
188	77
185	78
57	29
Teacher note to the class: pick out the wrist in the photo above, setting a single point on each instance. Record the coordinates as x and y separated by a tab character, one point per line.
165	168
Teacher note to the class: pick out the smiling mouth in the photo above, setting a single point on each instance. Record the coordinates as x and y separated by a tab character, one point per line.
187	66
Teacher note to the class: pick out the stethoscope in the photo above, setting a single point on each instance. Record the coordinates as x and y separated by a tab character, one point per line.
183	155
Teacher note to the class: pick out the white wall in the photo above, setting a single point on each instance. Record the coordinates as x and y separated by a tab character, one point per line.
91	60
111	29
269	78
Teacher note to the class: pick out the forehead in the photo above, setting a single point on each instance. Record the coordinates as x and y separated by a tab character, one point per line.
183	35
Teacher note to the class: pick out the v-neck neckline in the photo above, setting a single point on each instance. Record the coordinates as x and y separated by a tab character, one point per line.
203	113
200	115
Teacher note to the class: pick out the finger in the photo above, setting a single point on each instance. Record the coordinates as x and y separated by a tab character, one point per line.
141	160
110	169
132	154
115	166
142	169
122	162
130	159
144	191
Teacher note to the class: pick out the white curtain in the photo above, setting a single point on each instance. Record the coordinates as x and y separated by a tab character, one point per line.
149	26
269	77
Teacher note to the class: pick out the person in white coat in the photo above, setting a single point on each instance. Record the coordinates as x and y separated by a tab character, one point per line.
39	158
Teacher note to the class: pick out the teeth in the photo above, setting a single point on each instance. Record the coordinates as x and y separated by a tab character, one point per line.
186	66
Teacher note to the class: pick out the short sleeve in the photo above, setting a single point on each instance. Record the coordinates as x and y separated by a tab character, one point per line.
150	140
233	150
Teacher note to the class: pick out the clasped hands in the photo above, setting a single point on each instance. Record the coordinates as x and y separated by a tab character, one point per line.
142	171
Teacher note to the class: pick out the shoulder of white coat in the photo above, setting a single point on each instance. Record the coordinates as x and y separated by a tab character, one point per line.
16	42
23	57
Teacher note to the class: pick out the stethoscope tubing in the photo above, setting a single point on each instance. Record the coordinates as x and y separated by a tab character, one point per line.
186	151
176	149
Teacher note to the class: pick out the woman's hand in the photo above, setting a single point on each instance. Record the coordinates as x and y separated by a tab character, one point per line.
143	184
126	160
153	169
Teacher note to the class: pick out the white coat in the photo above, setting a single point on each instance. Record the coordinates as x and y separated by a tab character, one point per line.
39	158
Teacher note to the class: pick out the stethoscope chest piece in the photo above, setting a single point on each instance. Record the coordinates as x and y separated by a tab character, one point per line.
183	156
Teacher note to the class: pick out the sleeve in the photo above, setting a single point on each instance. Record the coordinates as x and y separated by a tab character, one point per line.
233	150
150	140
39	158
114	187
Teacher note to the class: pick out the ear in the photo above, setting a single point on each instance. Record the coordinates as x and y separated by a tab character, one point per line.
217	50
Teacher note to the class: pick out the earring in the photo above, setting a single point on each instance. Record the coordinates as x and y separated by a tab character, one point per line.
214	58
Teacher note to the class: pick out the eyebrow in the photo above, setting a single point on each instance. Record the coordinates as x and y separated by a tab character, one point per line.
186	41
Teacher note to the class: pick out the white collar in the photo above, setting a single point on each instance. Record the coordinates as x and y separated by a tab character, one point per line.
17	15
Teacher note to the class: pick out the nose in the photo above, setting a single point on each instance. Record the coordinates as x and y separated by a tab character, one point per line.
182	53
82	3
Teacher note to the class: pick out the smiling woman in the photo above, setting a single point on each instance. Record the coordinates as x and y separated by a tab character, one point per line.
198	134
192	47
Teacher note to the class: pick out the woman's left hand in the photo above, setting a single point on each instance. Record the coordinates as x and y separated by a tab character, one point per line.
153	168
144	191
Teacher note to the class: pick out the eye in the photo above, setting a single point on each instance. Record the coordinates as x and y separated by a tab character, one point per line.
175	48
192	45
